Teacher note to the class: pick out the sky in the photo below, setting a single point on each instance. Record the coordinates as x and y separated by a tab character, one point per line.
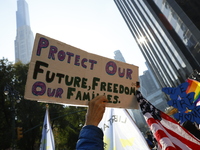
95	26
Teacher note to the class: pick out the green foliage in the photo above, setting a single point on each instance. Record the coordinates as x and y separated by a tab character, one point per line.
66	121
6	69
69	127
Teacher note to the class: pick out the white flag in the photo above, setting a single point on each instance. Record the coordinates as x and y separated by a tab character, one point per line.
47	141
120	131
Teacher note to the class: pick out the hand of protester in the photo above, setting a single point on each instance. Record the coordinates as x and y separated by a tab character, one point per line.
96	110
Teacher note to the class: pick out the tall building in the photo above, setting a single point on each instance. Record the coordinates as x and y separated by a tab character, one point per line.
24	39
152	91
135	114
168	34
118	56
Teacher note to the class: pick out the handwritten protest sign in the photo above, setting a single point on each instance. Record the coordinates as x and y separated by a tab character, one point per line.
60	73
185	98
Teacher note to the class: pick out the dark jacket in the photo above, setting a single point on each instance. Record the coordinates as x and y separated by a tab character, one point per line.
90	138
151	144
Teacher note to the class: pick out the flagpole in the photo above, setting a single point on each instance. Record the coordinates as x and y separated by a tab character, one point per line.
130	115
47	140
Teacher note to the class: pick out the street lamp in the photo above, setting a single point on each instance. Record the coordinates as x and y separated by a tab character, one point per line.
13	96
8	90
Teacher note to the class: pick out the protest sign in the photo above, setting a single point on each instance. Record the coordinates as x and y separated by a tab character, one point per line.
185	98
60	73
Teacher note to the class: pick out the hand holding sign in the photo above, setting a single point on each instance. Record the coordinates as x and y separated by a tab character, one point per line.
96	110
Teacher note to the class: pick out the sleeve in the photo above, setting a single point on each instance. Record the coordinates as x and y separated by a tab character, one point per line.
90	138
150	143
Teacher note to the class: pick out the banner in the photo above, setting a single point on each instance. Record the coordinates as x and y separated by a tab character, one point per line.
60	73
120	131
47	140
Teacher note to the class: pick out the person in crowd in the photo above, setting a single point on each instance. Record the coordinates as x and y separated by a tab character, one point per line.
150	144
91	137
152	141
149	136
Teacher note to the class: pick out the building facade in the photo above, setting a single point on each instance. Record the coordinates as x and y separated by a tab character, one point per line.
24	39
152	91
167	36
136	114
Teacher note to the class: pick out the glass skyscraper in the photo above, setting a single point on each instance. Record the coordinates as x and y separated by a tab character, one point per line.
167	33
118	56
136	114
24	39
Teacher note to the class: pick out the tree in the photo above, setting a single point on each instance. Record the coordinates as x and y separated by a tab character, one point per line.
66	121
6	73
68	126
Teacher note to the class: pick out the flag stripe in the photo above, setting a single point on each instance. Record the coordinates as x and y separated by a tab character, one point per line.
180	140
184	133
172	141
166	144
169	134
162	135
150	121
167	124
159	133
167	129
181	132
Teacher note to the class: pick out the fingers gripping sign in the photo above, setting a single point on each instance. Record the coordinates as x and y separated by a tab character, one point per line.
96	110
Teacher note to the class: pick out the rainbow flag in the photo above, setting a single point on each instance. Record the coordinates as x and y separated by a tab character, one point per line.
194	86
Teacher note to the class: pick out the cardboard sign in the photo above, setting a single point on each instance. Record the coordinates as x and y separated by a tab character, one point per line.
60	73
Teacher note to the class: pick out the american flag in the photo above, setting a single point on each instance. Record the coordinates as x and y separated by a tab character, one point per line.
169	134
